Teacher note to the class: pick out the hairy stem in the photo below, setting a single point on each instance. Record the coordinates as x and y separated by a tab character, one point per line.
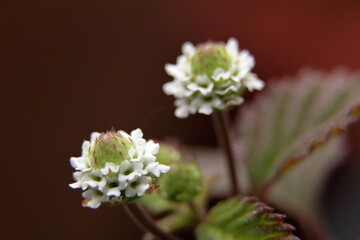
146	222
221	125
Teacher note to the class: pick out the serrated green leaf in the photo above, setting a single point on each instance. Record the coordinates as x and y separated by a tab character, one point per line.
244	219
303	151
291	117
299	190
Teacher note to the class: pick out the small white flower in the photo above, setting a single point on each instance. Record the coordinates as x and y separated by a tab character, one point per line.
113	187
80	178
80	163
152	147
211	76
95	179
138	187
110	168
94	198
130	171
253	83
156	168
221	74
115	166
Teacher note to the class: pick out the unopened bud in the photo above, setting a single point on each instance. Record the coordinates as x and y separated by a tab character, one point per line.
181	183
109	147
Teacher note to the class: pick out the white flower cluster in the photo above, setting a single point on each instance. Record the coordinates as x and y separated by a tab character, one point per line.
216	88
114	183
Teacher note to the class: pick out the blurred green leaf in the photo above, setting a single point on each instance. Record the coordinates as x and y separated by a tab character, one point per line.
156	204
292	117
287	136
181	218
244	219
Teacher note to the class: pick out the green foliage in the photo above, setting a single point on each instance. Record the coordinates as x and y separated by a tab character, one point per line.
288	138
155	203
294	118
244	219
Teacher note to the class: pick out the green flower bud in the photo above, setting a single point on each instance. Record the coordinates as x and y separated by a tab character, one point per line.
208	57
168	154
181	183
109	147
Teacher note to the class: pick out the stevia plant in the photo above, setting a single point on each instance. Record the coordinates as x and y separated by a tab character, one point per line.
289	132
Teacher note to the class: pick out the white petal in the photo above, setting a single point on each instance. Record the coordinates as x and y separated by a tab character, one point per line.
164	168
148	158
78	175
140	144
253	83
94	183
220	74
232	46
88	194
131	152
234	101
152	147
203	88
138	167
245	63
141	189
109	168
85	148
206	109
123	133
181	71
188	49
122	185
94	203
75	185
232	88
173	70
124	166
132	176
113	192
130	192
182	112
94	136
175	88
136	134
122	178
80	163
153	168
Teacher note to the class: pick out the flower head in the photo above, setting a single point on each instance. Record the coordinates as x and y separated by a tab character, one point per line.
211	76
116	167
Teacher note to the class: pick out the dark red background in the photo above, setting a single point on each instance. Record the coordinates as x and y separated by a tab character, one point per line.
69	67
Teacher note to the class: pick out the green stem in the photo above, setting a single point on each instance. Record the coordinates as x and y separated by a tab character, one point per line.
200	215
146	222
221	125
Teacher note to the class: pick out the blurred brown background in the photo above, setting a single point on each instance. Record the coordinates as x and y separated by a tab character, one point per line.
70	67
